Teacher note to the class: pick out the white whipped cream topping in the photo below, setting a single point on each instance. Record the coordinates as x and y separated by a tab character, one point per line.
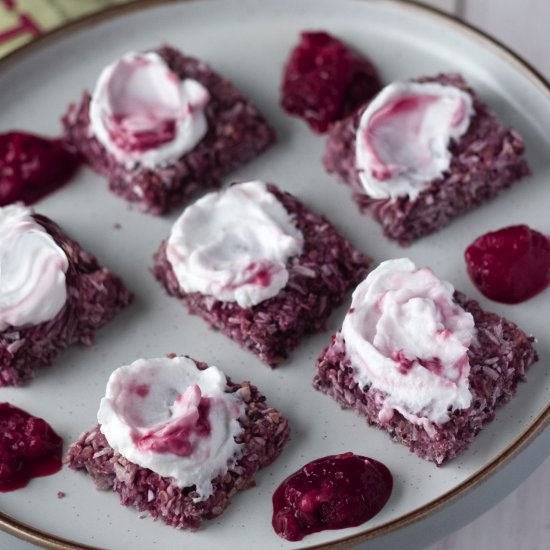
32	270
234	244
143	113
406	337
404	134
151	408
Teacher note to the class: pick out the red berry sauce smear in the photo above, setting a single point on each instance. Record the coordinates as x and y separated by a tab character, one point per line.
325	81
333	492
510	265
32	166
28	448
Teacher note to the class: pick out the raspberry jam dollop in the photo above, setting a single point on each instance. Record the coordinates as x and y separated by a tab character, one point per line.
333	492
32	166
29	448
325	81
510	265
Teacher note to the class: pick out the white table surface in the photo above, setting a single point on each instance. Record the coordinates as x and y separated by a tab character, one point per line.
522	519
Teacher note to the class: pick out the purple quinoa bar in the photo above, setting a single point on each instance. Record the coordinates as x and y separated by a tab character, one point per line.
319	280
486	159
94	297
237	133
265	431
498	361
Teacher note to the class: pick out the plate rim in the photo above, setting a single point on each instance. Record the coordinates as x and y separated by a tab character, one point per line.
44	539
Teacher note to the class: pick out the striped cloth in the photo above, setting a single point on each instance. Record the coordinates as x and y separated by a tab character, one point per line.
23	20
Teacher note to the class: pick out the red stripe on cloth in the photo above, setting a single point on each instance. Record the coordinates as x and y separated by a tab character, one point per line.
24	26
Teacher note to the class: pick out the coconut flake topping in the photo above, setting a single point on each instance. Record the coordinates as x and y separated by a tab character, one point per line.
405	336
234	245
167	415
404	134
33	288
143	113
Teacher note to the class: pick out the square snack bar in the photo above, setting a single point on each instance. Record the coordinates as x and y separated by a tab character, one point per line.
498	360
237	133
319	280
94	297
265	431
485	160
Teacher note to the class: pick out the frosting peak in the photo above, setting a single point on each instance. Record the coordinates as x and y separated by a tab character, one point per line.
234	245
32	270
143	113
406	337
173	418
404	134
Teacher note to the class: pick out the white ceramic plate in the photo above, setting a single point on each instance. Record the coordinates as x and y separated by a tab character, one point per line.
248	41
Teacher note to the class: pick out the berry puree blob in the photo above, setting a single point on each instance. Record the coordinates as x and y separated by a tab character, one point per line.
29	448
510	265
333	492
325	81
32	166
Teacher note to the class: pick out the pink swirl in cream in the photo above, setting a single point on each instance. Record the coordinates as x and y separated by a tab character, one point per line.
234	245
142	113
32	270
167	415
404	134
406	337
